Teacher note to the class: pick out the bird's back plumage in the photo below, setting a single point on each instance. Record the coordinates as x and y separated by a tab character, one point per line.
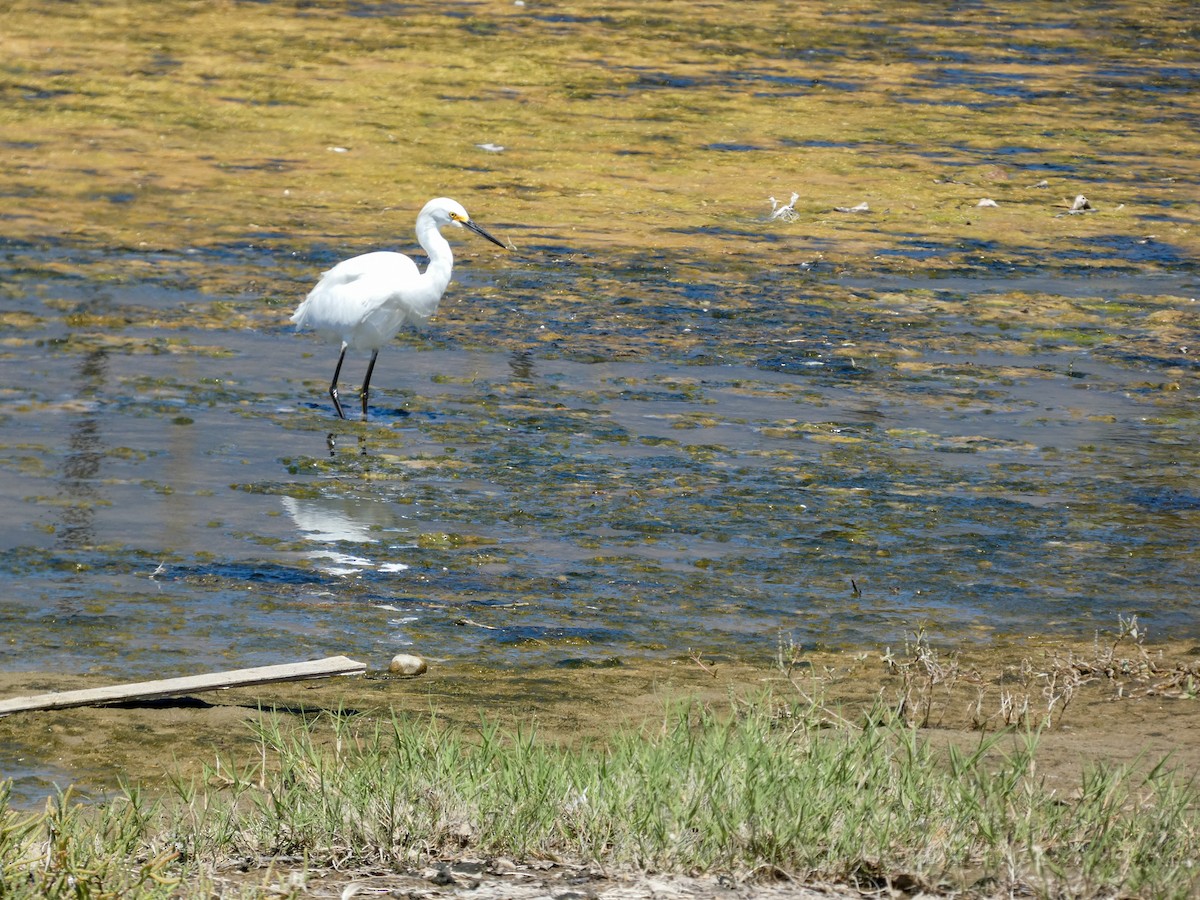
364	301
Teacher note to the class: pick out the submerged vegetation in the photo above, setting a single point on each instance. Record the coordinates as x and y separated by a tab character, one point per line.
667	406
770	788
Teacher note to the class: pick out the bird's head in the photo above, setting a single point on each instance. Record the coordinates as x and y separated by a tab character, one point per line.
445	211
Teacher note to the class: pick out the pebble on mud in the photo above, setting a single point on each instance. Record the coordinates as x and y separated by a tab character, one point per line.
439	875
407	664
502	865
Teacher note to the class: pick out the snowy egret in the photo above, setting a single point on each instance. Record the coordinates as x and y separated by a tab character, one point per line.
364	301
787	213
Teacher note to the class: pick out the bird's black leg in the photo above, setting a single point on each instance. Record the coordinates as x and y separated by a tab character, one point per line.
337	404
367	382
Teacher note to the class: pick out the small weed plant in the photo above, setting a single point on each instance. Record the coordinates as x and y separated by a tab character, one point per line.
928	685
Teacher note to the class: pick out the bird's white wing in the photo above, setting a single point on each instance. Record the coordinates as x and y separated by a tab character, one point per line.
348	294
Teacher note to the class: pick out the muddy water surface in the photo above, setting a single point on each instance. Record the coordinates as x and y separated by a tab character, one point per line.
668	421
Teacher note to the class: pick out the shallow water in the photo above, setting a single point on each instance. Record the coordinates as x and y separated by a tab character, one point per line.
172	508
668	421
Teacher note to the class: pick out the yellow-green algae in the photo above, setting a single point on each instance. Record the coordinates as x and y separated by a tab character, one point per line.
174	125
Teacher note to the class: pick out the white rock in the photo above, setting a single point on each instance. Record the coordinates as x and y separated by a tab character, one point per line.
407	664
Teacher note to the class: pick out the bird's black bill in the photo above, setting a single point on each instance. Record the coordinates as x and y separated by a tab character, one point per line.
479	231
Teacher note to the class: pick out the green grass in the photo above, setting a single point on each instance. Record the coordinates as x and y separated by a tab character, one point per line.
768	787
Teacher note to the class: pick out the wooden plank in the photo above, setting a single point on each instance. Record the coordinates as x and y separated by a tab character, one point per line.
189	684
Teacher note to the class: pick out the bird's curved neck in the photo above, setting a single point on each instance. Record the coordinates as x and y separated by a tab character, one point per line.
441	258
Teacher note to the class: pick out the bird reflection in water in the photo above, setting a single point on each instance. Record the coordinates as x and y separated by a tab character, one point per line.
81	466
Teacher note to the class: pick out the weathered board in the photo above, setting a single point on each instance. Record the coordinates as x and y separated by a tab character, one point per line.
188	684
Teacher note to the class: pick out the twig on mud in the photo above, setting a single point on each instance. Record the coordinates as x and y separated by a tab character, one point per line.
475	624
694	656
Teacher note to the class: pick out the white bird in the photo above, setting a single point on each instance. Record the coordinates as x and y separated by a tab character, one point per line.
364	301
787	213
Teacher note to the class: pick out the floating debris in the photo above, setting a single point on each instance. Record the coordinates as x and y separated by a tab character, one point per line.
862	207
1081	204
787	213
987	201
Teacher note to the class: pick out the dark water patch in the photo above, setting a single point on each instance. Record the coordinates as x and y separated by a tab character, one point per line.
1046	54
1178	358
750	76
1030	159
38	94
234	573
544	637
34	780
1017	151
823	144
1122	255
160	64
747	233
939	55
815	365
974	105
1009	86
649	79
117	198
966	284
1136	249
921	248
269	164
1167	500
1148	79
26	560
217	274
380	9
562	18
